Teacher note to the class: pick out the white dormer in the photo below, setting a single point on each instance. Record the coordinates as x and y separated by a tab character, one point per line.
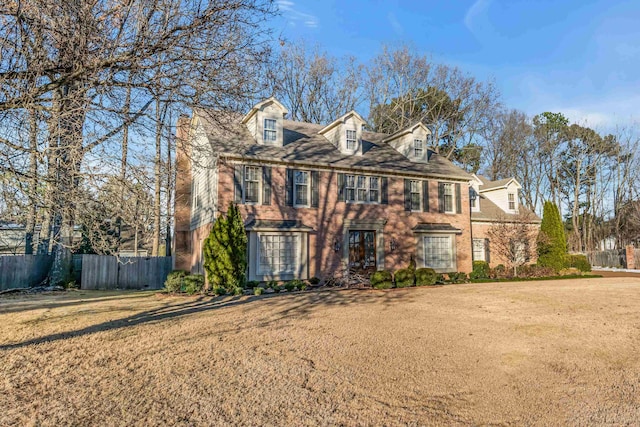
504	193
265	122
346	133
411	142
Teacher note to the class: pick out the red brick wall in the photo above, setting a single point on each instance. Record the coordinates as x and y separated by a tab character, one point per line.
480	231
327	219
182	203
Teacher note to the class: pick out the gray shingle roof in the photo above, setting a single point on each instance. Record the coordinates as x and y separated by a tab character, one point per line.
436	227
489	211
488	185
303	145
292	224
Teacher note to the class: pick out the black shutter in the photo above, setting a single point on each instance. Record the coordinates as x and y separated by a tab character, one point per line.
237	183
266	185
315	196
487	251
407	195
458	199
441	197
425	196
288	196
341	184
384	191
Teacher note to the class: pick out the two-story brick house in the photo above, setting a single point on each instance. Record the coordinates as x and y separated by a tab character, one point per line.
493	202
316	197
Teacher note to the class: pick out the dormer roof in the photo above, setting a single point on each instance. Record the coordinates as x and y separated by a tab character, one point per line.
407	130
496	185
261	104
340	120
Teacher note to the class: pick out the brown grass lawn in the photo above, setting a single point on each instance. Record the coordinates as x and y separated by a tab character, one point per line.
544	353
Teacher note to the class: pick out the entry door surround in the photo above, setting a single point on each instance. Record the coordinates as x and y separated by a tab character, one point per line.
364	225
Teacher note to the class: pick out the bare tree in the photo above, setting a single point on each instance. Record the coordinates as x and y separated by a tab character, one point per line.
513	239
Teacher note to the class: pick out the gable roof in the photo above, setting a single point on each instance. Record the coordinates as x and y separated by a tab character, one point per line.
259	105
488	185
341	119
491	212
407	130
305	146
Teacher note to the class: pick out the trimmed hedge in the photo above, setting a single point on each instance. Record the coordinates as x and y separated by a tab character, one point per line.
175	281
578	261
404	277
193	283
455	277
381	279
534	271
426	277
481	270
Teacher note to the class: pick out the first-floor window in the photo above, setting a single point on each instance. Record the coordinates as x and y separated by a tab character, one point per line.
252	184
277	253
438	252
302	188
448	197
416	187
478	250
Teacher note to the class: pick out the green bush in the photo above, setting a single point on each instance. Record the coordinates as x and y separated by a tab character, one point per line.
238	290
405	277
440	280
272	284
219	290
481	270
252	284
303	286
296	284
455	277
314	280
175	281
258	291
578	261
412	264
381	279
193	284
426	276
552	242
501	272
290	286
534	271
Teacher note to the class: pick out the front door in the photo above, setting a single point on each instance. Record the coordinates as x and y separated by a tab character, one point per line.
362	250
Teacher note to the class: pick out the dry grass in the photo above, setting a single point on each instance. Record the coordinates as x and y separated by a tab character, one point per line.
544	353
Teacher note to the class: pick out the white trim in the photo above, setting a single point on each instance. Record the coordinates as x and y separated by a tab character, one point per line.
296	253
452	249
308	191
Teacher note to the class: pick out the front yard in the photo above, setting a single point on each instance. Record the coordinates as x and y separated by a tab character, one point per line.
545	353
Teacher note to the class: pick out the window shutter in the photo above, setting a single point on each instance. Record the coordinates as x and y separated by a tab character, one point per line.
315	196
407	195
384	191
458	199
425	196
289	188
487	252
266	185
237	183
341	184
441	197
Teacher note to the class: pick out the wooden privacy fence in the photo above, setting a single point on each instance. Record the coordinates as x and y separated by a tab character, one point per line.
610	258
109	272
23	271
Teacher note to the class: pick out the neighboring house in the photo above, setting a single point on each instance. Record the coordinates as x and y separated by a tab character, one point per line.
493	202
12	238
314	197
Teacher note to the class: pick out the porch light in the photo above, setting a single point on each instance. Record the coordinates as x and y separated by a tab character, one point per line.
393	244
336	245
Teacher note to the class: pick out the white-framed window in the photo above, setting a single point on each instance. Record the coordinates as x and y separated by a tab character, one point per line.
473	198
361	188
448	197
270	133
351	139
416	195
350	188
301	188
277	253
478	250
512	201
438	253
374	189
252	176
418	148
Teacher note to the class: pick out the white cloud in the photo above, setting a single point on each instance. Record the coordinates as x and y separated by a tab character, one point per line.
295	16
474	18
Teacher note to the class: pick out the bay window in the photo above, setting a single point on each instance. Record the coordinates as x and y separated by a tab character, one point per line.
277	253
439	253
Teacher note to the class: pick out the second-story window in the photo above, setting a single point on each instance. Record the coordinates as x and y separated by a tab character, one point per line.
416	195
351	139
448	198
301	191
374	189
362	188
269	130
512	201
473	196
252	183
350	187
418	149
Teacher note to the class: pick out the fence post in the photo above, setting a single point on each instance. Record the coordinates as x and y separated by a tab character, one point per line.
630	257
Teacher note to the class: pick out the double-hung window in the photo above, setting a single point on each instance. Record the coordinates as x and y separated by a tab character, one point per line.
448	198
418	148
473	196
301	190
512	201
252	184
361	194
277	253
438	252
351	139
270	133
478	250
416	195
374	189
350	188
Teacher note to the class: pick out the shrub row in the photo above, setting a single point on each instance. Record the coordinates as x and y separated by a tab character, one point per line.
406	277
181	281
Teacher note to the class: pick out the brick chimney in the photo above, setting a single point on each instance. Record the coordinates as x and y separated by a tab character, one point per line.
182	200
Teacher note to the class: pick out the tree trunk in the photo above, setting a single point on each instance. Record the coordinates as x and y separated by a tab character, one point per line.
168	191
33	184
155	246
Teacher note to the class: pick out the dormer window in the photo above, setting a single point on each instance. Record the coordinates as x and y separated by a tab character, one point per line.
418	148
351	140
512	201
270	134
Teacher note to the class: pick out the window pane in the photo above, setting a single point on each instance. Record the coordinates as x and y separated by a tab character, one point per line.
438	252
448	197
478	249
417	148
416	193
277	254
351	139
252	183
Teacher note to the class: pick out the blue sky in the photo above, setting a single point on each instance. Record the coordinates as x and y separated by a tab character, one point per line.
579	57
